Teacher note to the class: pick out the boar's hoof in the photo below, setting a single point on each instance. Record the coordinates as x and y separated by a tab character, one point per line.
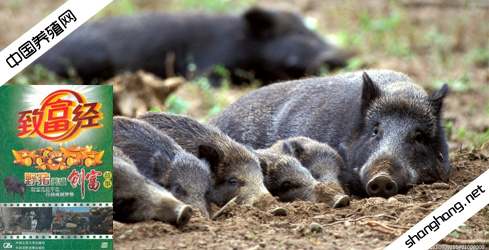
341	200
382	186
184	213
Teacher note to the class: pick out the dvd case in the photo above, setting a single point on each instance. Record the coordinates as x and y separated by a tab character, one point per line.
56	167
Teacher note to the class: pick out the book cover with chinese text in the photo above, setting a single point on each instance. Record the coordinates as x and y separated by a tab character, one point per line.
56	167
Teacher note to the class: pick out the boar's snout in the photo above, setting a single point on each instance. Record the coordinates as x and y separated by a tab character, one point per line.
262	199
184	213
333	58
383	186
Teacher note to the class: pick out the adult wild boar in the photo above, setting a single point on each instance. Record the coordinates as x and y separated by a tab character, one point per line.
391	127
270	45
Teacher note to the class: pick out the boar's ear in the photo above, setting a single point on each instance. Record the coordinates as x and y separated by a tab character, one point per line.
436	99
212	155
294	149
287	149
370	92
264	166
261	22
342	152
157	161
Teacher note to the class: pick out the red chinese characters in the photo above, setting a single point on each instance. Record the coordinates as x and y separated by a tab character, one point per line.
79	178
60	119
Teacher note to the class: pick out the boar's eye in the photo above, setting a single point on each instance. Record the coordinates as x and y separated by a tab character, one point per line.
285	186
233	181
178	191
375	131
419	137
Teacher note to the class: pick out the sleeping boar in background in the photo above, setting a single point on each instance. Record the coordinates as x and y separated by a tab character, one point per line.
261	44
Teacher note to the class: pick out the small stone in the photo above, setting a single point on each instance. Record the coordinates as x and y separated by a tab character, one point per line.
392	200
376	200
279	211
340	235
315	228
181	245
347	224
375	241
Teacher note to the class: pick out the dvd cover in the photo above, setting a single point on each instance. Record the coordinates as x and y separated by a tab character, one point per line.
56	167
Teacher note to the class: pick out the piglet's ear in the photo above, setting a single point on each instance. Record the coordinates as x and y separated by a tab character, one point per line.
294	149
370	92
287	149
261	22
212	155
436	99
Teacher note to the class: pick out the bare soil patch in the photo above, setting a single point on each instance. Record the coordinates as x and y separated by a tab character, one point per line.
371	223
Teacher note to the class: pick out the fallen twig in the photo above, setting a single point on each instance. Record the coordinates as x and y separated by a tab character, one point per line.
361	218
221	211
385	228
356	210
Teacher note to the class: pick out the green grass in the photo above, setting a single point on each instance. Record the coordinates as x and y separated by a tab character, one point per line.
462	84
250	235
478	56
213	101
117	8
175	104
461	134
131	7
381	32
212	5
37	74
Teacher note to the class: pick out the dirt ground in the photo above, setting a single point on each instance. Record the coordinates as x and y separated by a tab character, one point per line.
314	225
441	37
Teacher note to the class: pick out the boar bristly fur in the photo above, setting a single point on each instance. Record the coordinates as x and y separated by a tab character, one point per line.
235	169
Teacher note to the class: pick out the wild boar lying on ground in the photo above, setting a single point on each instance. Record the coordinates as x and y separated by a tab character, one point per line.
160	159
285	177
264	44
136	198
391	127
